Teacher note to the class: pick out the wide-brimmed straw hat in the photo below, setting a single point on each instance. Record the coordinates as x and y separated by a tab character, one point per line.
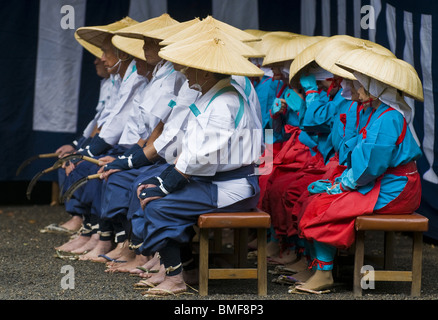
168	31
304	59
132	46
234	44
131	38
206	24
389	70
94	50
264	44
338	45
285	46
214	55
95	35
140	30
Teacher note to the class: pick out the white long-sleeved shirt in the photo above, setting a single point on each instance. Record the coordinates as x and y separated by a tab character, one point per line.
168	144
163	87
113	127
104	101
221	133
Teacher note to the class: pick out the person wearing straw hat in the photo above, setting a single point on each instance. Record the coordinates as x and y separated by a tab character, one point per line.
149	116
330	120
381	176
299	149
75	222
205	29
125	83
334	122
112	230
220	174
174	126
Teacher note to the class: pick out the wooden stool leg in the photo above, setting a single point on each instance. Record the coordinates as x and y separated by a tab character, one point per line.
417	259
358	263
389	250
203	262
262	265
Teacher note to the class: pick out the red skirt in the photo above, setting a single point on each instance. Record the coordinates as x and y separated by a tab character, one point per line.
289	184
289	156
295	202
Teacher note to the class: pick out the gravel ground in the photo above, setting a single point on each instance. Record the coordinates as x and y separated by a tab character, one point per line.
29	270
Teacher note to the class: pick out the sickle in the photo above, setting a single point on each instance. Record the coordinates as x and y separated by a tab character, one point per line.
58	164
37	176
71	157
38	156
75	186
76	156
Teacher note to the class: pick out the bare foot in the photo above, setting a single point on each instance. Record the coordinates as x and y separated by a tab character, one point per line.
169	286
127	256
129	265
154	280
102	247
74	224
252	245
286	257
298	266
89	245
120	250
272	248
153	263
73	244
304	275
321	280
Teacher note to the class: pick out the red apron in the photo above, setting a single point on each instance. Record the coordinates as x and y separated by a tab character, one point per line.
330	218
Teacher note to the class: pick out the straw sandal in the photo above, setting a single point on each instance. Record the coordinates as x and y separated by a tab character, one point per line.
300	290
157	292
145	284
56	228
66	255
111	259
284	279
281	270
145	270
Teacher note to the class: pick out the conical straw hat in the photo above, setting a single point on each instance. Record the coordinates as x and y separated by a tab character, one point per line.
95	35
139	30
285	46
168	31
205	25
212	55
266	38
132	46
389	70
305	58
338	45
89	47
237	45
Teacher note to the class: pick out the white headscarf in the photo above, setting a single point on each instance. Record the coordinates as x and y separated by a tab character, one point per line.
320	73
387	94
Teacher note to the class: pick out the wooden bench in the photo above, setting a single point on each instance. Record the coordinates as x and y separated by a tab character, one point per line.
389	224
240	222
